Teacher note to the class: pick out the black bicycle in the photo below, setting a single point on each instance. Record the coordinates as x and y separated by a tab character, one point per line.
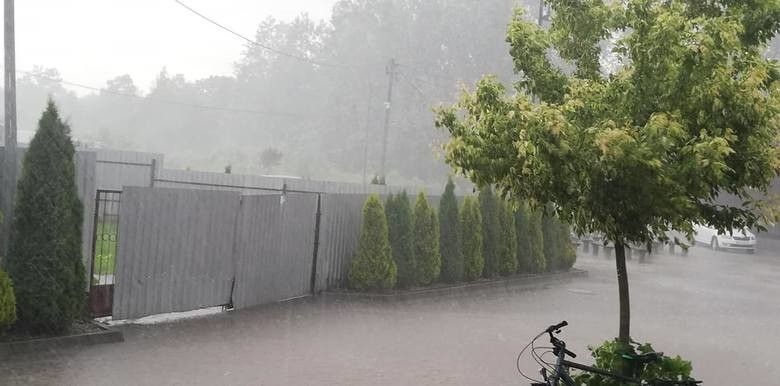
557	373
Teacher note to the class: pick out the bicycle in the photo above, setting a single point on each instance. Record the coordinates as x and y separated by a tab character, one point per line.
559	371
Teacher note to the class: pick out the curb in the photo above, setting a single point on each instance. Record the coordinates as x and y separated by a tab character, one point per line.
10	349
516	282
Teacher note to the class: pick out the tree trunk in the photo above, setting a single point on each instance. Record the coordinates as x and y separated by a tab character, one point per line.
624	337
622	276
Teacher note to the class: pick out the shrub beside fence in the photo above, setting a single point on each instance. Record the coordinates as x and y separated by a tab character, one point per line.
524	241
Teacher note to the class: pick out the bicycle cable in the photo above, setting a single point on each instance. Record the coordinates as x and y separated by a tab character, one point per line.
517	362
539	361
549	351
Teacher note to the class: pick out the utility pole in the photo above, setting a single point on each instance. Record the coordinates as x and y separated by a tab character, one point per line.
9	155
368	124
391	67
544	13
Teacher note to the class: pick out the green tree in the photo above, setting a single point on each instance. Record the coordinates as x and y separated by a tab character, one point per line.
531	241
491	230
400	229
508	245
373	269
269	159
536	239
44	259
7	298
471	226
449	235
7	302
552	242
558	249
524	259
568	253
426	241
642	149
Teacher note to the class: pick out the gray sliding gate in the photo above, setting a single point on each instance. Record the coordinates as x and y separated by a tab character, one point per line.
275	248
175	249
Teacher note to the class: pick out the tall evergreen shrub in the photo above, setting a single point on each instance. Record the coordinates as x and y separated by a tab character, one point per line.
450	235
426	241
373	269
491	231
471	225
401	233
508	246
44	259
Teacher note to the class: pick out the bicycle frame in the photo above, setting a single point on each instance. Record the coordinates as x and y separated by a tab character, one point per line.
560	372
562	367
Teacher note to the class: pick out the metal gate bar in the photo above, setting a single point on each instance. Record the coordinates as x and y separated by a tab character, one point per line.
104	250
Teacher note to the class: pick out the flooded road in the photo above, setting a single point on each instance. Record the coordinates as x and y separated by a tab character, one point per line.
721	310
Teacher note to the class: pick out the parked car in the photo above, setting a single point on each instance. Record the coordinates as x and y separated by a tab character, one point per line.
736	239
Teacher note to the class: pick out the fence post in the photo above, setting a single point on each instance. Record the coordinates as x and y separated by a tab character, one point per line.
153	172
313	283
94	239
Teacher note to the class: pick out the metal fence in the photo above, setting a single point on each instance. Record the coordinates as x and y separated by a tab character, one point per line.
183	249
275	248
175	250
116	169
340	221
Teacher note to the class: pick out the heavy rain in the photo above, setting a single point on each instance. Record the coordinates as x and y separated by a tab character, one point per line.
350	192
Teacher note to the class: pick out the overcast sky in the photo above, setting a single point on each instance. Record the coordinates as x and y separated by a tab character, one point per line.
90	41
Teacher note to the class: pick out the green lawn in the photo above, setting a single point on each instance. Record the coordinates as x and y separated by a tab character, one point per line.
105	248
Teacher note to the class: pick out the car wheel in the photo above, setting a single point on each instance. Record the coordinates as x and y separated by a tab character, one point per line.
714	243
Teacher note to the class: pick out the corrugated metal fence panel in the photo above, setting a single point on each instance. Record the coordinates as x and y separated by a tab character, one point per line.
85	183
116	169
340	222
254	184
175	249
275	246
258	232
217	181
136	157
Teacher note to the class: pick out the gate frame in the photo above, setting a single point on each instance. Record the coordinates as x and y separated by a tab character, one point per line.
92	258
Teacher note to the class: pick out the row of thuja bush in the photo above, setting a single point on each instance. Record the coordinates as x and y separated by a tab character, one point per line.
405	245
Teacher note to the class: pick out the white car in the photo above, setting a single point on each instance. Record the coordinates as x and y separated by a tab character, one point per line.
737	239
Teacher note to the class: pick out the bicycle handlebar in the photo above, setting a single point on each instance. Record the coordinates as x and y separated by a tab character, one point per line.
556	327
557	343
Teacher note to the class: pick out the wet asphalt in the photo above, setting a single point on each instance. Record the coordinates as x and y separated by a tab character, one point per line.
719	309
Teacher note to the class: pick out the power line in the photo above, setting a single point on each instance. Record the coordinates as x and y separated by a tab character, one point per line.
263	46
174	102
